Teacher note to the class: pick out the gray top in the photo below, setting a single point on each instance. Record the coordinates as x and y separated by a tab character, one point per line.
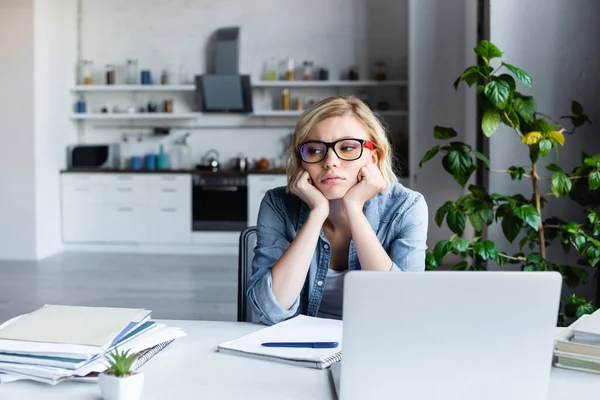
333	295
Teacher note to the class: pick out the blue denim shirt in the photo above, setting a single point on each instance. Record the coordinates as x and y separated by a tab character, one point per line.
397	215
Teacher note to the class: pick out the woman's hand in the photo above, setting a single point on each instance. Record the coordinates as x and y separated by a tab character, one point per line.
304	188
370	182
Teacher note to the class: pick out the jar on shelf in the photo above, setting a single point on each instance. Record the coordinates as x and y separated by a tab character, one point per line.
110	74
87	72
132	72
307	70
271	69
290	69
380	71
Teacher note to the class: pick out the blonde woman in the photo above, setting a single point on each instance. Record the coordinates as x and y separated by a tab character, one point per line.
343	209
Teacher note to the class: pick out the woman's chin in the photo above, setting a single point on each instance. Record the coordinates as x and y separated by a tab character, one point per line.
335	192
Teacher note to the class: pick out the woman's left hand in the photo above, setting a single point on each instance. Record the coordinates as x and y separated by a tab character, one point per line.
370	182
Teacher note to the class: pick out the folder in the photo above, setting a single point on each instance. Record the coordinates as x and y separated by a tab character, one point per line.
298	329
87	326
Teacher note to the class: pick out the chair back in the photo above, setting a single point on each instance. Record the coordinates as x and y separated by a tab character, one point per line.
246	254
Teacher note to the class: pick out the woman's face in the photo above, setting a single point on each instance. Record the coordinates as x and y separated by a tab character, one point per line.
334	176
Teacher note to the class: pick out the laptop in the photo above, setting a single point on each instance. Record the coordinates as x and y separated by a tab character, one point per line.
447	335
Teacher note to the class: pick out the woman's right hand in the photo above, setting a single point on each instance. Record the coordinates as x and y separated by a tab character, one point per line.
303	188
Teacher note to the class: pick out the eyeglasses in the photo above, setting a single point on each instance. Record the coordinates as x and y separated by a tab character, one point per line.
315	151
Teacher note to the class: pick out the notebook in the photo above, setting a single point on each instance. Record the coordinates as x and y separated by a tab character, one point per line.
88	326
298	329
588	330
565	344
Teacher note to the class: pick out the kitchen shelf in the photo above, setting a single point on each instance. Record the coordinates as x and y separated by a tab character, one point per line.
296	113
133	88
140	116
309	84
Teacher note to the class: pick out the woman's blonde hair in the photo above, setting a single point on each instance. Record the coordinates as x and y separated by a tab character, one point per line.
341	106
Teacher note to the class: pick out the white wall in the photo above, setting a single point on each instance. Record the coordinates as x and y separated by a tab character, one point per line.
54	61
17	208
166	33
441	38
555	42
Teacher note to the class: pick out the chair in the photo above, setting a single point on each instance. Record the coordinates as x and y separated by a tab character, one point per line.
246	254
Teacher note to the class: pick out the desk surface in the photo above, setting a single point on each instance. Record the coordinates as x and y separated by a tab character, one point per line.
191	368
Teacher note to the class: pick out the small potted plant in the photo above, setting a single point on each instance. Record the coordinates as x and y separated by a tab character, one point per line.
118	382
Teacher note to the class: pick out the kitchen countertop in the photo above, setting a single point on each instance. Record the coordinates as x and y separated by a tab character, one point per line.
170	171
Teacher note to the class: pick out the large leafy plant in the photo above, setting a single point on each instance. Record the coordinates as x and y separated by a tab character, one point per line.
521	215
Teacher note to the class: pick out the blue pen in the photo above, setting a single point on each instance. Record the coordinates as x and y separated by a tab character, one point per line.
312	345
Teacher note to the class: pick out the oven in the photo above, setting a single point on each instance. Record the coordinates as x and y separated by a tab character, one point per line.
219	202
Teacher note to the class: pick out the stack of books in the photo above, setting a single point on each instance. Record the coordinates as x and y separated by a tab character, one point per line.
60	343
578	346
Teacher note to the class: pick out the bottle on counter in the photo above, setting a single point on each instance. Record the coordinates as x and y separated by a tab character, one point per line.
163	162
181	154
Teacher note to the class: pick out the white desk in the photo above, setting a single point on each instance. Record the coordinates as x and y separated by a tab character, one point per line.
190	368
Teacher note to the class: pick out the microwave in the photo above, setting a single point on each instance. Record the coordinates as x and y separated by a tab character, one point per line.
101	156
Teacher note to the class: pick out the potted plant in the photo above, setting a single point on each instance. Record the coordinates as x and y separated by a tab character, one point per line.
520	215
119	382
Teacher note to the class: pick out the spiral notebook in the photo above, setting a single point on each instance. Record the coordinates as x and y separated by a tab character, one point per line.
297	329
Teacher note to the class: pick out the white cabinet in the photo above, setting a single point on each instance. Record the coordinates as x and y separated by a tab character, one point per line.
126	208
258	184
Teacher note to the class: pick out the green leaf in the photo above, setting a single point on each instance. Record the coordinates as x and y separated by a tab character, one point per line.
545	147
456	221
459	164
498	92
516	173
486	250
490	122
477	222
460	245
525	106
586	308
472	74
519	73
560	185
461	266
429	155
593	255
529	215
441	212
481	157
576	108
487	51
443	133
511	226
554	168
430	261
510	80
534	258
579	241
594	180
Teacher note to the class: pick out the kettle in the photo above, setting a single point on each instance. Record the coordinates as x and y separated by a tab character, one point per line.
211	159
241	163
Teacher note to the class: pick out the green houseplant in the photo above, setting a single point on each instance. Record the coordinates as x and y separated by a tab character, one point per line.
522	215
119	381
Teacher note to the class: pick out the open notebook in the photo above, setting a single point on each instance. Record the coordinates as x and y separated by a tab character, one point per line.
297	329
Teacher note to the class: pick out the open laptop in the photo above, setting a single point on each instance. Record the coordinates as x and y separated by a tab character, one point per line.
447	335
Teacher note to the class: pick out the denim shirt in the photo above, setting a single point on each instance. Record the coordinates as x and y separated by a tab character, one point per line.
398	216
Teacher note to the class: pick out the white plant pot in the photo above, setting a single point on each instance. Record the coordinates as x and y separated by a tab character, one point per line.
127	388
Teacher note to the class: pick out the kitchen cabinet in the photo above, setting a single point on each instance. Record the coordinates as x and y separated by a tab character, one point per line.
258	184
126	208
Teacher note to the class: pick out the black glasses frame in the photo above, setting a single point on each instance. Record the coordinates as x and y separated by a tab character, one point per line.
363	143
